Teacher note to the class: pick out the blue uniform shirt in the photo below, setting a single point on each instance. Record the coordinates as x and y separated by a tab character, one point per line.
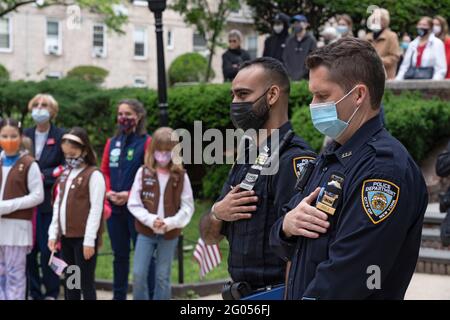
250	258
376	227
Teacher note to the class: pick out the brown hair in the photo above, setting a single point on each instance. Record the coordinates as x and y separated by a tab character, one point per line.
164	138
444	25
428	20
347	19
26	143
90	158
137	107
352	61
52	103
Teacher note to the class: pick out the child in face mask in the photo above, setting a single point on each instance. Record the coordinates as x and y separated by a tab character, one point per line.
21	189
77	211
162	202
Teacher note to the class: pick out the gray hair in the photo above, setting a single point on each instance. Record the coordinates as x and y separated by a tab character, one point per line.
235	34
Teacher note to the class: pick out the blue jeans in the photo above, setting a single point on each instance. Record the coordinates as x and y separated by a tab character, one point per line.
165	250
49	279
123	234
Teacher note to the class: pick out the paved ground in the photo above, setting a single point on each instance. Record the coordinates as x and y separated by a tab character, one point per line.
422	287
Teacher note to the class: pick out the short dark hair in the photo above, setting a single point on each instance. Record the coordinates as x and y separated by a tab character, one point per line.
274	70
352	61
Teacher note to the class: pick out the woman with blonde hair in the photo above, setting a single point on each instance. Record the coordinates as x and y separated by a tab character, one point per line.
440	30
162	202
46	148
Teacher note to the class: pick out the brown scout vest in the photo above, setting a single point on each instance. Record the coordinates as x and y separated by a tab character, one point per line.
150	198
77	204
17	186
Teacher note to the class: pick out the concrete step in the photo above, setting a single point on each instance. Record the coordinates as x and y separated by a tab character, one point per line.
432	215
435	261
431	234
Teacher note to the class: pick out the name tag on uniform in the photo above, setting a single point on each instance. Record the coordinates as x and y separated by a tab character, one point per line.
328	198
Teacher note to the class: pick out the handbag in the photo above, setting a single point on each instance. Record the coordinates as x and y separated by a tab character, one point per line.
418	73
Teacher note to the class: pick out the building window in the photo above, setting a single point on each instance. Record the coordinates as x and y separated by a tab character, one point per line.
5	35
252	46
140	82
170	40
199	42
53	43
99	41
54	75
140	43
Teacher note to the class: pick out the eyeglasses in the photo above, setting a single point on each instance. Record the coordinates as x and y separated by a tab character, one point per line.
232	41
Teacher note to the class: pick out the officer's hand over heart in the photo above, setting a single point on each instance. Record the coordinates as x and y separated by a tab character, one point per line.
306	220
236	205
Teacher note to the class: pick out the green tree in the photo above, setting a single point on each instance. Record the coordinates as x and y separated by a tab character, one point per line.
209	17
404	14
188	67
113	18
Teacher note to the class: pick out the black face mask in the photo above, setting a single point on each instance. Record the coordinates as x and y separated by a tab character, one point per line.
248	115
422	32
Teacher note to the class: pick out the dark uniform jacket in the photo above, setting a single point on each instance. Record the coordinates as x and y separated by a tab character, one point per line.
250	258
371	247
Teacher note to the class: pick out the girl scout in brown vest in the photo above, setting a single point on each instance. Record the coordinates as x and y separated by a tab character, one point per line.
21	190
161	200
77	211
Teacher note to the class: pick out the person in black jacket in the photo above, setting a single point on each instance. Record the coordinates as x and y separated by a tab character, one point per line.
234	56
46	145
275	43
443	170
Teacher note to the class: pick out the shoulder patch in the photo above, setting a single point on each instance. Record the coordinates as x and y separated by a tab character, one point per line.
299	162
379	198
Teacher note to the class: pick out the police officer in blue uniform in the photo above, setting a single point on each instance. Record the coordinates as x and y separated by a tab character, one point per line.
250	201
353	231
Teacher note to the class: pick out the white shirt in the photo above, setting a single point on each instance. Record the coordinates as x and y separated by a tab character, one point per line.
40	139
178	221
18	232
97	189
433	56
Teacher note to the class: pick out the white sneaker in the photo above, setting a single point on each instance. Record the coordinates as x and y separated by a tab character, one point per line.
49	298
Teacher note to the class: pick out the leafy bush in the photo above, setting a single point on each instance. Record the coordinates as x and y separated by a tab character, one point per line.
418	123
189	67
4	74
92	74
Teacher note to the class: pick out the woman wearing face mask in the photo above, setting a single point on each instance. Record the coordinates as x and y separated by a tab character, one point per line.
384	40
46	142
77	211
425	51
122	157
162	202
440	30
21	190
344	26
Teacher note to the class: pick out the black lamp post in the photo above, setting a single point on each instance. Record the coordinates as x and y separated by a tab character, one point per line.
157	7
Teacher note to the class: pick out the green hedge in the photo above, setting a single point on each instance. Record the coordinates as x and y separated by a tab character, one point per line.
93	74
416	122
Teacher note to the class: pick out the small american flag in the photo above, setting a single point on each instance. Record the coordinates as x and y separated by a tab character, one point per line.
56	264
207	256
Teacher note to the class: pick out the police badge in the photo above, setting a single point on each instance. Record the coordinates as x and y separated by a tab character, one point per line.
379	198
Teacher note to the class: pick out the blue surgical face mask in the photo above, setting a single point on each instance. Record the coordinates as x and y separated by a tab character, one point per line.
325	118
342	29
40	115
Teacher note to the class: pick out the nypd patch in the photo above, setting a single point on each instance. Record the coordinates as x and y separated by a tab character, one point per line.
299	163
379	198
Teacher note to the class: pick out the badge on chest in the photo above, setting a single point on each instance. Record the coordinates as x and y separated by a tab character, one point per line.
329	195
